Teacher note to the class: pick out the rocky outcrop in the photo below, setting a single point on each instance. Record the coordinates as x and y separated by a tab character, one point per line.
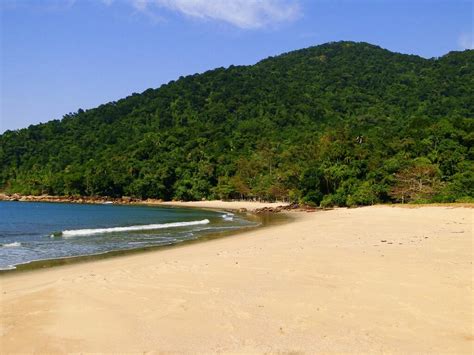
290	207
125	200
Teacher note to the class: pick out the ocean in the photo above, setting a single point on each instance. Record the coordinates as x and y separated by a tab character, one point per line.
35	231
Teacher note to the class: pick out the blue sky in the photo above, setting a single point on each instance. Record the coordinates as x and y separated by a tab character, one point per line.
61	55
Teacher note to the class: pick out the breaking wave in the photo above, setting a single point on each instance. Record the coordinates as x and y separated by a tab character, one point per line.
11	245
80	232
228	216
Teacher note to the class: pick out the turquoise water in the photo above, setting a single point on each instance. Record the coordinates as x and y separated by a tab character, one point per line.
31	231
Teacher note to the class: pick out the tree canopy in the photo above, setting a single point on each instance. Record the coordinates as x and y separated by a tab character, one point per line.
337	124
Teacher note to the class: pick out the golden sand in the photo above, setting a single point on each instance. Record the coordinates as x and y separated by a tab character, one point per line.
373	279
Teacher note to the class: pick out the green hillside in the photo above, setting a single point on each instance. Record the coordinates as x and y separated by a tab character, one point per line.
338	124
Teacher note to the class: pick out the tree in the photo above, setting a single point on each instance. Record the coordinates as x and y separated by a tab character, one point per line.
337	124
419	181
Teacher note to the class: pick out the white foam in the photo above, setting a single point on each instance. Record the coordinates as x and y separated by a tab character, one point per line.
12	245
8	267
79	232
228	216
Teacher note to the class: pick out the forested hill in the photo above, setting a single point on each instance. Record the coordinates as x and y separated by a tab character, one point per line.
338	124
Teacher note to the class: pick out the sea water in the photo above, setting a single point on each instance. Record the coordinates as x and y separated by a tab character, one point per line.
33	231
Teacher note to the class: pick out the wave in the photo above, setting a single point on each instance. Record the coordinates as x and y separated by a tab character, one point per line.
11	245
228	216
8	267
80	232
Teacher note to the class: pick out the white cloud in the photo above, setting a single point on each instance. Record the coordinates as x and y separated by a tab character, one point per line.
466	41
247	14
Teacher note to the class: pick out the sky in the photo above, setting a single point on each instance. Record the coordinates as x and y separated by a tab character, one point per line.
57	56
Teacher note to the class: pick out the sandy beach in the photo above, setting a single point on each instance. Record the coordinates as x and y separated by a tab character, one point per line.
224	205
373	279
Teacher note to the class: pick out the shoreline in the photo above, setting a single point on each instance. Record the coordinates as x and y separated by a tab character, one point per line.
248	210
76	199
372	279
35	265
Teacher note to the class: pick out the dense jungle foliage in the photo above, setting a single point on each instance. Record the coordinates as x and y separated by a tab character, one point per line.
338	124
